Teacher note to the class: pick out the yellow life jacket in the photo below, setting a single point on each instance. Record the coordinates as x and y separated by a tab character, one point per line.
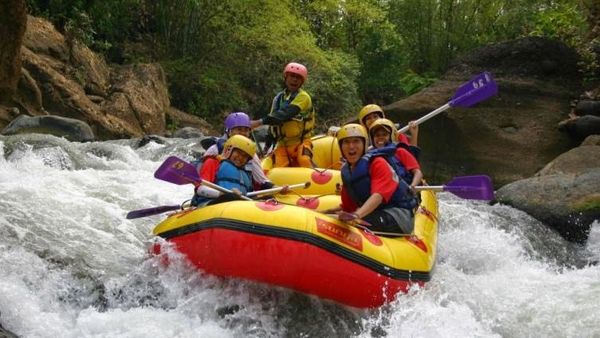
299	127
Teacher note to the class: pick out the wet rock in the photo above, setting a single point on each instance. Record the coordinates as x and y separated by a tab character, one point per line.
151	138
188	132
588	107
4	333
581	127
71	129
565	194
568	203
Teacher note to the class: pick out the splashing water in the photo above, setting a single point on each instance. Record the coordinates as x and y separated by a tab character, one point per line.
71	265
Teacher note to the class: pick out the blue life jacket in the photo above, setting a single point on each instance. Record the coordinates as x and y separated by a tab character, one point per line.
221	143
390	150
404	173
229	176
358	182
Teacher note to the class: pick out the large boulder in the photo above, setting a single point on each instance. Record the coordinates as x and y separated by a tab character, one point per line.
565	194
71	129
579	128
510	136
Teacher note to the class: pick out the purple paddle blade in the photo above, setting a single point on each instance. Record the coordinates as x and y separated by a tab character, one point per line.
151	211
476	90
476	187
178	171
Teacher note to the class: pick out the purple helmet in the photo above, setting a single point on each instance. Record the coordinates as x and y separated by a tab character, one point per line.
237	119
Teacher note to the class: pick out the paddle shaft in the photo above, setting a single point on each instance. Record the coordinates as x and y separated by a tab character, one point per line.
277	189
475	90
427	117
221	189
151	211
474	187
436	188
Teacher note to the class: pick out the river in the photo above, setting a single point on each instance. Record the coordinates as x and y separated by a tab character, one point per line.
71	265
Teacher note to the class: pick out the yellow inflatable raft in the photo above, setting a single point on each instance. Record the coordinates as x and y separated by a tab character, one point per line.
324	179
304	250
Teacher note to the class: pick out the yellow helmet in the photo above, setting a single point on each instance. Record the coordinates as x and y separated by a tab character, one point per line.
368	109
352	130
239	142
384	123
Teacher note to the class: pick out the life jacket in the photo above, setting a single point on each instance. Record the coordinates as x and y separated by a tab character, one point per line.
358	182
299	127
390	150
229	176
414	150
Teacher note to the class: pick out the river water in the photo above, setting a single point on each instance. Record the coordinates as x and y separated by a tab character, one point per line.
71	265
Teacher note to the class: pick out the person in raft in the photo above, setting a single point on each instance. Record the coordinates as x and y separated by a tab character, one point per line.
238	123
371	188
229	170
371	112
291	120
381	134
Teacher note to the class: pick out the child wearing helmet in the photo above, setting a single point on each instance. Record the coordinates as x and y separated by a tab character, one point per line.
381	134
230	170
371	112
291	120
371	188
238	123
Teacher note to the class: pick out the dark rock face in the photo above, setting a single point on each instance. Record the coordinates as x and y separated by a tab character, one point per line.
530	57
71	129
61	77
510	136
13	21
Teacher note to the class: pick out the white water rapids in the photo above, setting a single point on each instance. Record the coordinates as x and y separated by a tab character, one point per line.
71	265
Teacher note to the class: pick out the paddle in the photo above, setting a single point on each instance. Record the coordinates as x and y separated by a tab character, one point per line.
475	90
178	171
277	189
476	187
151	211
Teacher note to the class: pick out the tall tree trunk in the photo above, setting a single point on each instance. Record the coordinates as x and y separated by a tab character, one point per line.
13	22
593	18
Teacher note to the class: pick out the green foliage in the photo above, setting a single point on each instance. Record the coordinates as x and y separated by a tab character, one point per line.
562	21
412	83
224	55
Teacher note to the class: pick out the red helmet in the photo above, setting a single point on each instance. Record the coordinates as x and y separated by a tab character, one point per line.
296	68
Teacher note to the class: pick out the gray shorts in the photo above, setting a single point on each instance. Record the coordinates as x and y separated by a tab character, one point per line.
393	220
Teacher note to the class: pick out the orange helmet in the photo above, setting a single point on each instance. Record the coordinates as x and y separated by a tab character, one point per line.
296	68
